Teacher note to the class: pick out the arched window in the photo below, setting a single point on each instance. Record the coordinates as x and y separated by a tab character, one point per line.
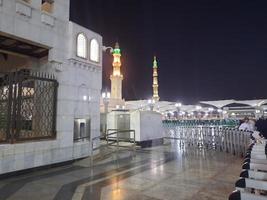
94	50
81	45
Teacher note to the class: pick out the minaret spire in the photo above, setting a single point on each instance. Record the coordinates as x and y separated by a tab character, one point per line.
155	85
116	77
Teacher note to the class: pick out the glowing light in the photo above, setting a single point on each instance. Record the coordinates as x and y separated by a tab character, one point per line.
178	105
219	110
94	50
171	113
182	113
198	107
210	109
84	97
81	45
117	106
116	60
257	111
103	95
5	90
108	95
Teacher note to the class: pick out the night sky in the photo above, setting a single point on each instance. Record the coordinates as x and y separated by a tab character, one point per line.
207	50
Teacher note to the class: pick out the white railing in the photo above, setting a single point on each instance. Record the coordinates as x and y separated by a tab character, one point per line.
229	140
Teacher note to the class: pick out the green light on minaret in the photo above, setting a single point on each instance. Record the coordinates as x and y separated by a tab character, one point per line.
117	49
155	63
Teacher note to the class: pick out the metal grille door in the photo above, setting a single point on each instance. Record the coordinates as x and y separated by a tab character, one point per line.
27	106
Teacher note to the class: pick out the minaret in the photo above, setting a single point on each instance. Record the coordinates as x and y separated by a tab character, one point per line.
155	80
116	77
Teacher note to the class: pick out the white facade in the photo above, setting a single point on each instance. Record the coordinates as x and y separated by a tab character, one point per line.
147	125
79	79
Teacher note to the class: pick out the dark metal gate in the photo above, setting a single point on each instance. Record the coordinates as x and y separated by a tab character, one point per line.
27	106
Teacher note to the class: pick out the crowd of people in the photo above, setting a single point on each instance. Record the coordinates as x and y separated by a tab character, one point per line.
259	125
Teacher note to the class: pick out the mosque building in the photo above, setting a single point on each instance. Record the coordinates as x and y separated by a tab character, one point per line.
50	84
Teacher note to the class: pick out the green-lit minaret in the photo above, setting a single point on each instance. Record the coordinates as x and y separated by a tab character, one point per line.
116	77
155	85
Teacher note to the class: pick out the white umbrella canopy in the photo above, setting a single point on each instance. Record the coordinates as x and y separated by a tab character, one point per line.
168	106
222	103
253	103
219	103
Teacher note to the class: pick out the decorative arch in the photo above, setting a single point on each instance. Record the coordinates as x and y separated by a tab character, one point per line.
94	50
81	45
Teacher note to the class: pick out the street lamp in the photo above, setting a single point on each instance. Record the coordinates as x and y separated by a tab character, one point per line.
210	111
178	105
151	103
198	107
106	99
178	108
106	48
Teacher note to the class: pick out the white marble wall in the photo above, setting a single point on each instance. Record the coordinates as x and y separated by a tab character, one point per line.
35	154
147	125
27	21
77	78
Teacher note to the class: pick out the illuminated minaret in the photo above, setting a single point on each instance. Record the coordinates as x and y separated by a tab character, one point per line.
116	77
155	80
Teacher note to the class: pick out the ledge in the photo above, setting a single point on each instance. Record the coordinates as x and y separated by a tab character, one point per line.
23	9
47	19
85	65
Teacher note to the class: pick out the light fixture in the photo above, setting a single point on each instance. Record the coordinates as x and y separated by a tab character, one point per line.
103	95
257	111
210	109
84	97
178	105
219	110
198	107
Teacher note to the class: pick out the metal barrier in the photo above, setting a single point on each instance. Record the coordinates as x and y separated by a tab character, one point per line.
212	137
113	138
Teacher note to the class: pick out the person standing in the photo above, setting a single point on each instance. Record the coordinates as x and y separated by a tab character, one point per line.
245	126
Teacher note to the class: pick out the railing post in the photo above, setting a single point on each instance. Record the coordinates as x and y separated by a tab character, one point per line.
134	143
92	152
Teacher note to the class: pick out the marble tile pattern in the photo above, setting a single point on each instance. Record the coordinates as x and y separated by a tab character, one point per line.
166	172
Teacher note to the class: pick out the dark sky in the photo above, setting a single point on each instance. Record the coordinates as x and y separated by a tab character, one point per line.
207	50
